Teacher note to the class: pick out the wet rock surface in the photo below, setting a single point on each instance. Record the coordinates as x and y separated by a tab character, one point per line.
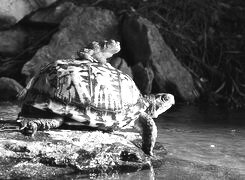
83	26
59	152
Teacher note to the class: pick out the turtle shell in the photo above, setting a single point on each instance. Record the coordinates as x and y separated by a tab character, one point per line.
86	91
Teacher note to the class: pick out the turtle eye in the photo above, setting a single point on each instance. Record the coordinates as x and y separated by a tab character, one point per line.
169	98
160	96
164	98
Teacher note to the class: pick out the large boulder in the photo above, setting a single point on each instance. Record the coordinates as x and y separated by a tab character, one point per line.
144	44
12	41
77	30
61	152
52	14
12	11
143	77
9	88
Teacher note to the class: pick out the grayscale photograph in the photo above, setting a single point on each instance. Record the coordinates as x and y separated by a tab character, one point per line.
122	89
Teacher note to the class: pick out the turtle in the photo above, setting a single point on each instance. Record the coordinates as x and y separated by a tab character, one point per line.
99	51
93	94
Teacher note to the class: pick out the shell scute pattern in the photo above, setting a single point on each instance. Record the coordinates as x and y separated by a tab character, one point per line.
72	85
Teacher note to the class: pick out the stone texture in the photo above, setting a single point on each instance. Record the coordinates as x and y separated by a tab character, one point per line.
12	41
83	26
143	77
54	14
144	44
60	152
9	88
11	11
122	65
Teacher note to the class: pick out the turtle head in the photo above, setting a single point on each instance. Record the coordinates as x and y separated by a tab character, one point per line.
159	103
100	51
110	47
104	48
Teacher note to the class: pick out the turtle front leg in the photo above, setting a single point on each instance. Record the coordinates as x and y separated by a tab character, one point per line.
29	126
148	130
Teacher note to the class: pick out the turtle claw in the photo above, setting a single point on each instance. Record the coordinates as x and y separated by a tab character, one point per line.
28	128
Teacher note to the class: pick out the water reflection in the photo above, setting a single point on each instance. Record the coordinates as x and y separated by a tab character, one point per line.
139	175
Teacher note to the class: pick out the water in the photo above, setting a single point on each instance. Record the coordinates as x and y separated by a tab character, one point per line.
202	142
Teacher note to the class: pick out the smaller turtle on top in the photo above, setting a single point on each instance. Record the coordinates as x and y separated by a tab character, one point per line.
100	51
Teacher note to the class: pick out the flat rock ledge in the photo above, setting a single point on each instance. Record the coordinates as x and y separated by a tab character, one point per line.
57	153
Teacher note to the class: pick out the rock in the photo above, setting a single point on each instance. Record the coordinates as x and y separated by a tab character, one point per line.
54	14
10	68
83	26
9	88
18	45
61	152
144	44
140	72
11	11
10	169
122	65
12	41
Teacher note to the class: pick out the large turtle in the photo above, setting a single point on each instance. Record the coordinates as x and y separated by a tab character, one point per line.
94	94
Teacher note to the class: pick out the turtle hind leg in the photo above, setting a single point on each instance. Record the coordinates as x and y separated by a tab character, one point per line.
29	126
148	130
